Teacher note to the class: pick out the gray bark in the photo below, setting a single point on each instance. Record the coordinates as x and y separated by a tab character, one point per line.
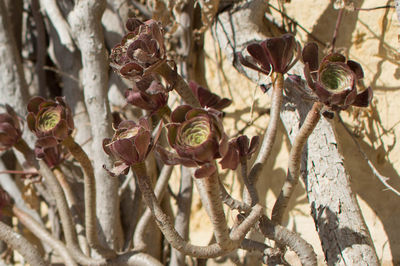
85	22
344	236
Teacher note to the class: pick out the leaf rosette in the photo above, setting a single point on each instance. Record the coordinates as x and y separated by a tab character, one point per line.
334	81
51	121
140	51
10	129
198	137
278	54
130	145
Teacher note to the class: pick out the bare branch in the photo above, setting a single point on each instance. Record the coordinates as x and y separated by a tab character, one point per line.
85	22
43	235
21	244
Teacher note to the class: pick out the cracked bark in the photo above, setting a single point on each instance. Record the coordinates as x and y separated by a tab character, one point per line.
344	236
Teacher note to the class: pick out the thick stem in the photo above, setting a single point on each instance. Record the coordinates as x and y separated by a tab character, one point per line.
73	203
90	193
58	193
86	27
270	134
283	236
292	178
178	84
215	209
44	236
165	224
161	185
21	244
182	219
250	195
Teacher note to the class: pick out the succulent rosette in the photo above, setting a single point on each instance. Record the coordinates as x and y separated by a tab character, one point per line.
130	144
276	54
334	81
148	94
198	137
239	148
51	121
10	129
140	51
207	98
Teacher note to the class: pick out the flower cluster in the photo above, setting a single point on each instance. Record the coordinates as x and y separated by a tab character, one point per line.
140	51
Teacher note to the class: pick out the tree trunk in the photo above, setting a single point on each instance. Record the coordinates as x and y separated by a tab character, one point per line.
344	236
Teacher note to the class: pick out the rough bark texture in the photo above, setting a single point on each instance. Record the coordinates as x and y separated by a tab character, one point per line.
344	236
13	87
86	26
21	244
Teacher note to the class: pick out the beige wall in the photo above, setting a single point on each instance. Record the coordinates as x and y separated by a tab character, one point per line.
370	38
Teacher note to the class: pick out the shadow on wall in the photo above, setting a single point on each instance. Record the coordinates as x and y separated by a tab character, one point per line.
383	202
324	27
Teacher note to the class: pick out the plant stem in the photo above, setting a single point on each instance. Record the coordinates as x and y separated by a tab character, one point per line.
43	235
283	236
250	195
59	196
165	224
73	203
161	185
292	178
215	209
270	134
335	33
19	243
178	84
90	195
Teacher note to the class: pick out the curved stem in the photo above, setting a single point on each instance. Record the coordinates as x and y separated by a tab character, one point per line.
250	195
161	185
283	236
215	209
292	178
73	203
178	84
43	235
165	224
51	180
19	243
90	195
270	134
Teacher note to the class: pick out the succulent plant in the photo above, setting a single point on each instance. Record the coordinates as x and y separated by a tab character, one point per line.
198	137
334	81
51	121
207	98
130	144
10	129
140	51
148	94
239	148
276	54
52	155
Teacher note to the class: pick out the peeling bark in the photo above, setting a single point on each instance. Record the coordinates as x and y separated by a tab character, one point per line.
344	236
